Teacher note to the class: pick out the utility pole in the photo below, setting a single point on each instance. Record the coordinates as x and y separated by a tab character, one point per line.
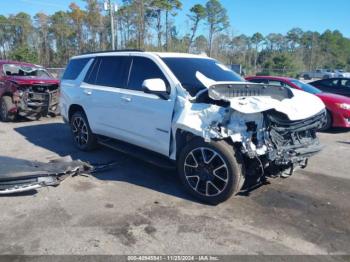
111	7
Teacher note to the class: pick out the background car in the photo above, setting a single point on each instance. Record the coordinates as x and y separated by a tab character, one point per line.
338	107
318	73
27	90
341	73
340	86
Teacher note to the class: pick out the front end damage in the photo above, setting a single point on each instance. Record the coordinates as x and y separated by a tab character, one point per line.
36	100
273	127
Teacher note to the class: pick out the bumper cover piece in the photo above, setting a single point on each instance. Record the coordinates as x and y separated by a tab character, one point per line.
33	175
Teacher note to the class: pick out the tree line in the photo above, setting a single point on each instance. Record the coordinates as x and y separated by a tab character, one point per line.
51	40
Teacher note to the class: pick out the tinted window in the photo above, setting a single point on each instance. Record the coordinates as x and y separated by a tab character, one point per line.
91	74
345	83
74	68
141	69
262	81
276	83
329	82
111	71
306	87
185	70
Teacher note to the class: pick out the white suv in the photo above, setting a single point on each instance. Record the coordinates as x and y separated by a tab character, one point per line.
191	112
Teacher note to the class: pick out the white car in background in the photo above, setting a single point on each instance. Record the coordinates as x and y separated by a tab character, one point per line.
318	73
341	73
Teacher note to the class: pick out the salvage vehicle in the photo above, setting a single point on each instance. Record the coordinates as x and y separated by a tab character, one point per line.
191	112
27	90
338	107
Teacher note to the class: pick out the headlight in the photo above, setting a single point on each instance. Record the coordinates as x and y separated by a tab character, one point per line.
344	106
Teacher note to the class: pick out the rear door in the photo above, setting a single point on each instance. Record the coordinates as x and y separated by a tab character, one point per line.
344	87
101	88
145	119
327	85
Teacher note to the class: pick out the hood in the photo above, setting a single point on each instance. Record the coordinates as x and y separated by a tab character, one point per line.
30	80
250	98
333	98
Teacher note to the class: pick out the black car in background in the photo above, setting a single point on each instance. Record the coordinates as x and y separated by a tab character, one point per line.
340	86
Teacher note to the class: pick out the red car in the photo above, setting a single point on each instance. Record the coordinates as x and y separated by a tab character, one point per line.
338	107
27	90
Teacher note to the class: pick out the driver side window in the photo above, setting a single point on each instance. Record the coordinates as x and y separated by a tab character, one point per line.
143	68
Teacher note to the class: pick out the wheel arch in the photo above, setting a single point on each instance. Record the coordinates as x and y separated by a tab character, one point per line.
74	108
182	137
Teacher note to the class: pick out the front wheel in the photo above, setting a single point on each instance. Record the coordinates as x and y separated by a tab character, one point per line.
212	172
6	105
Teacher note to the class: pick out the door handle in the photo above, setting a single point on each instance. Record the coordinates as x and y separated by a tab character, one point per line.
126	99
87	92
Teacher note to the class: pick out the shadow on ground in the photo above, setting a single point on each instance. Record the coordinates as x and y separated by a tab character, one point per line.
56	138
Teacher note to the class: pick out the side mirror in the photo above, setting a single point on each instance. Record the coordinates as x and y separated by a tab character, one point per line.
155	86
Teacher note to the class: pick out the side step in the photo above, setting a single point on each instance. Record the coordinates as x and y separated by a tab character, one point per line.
138	152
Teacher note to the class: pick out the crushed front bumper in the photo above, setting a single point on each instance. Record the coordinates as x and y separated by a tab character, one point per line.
294	141
32	104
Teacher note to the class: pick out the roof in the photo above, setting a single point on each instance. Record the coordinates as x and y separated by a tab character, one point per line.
133	51
182	55
17	63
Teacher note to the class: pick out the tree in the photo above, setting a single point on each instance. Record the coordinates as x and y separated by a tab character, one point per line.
42	23
4	31
198	13
256	39
78	16
25	54
217	20
94	22
171	7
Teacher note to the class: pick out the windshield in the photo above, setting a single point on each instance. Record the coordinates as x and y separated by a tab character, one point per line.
306	87
185	70
24	70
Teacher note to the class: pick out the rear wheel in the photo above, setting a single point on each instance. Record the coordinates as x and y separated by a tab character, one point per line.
307	77
84	139
212	172
6	105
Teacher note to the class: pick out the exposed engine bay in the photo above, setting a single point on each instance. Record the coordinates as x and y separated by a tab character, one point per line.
37	99
273	127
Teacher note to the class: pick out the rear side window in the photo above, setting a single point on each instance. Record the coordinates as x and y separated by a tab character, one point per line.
141	69
109	71
262	81
74	68
330	82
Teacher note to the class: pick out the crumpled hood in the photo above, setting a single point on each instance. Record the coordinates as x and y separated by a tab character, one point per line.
250	98
302	105
31	80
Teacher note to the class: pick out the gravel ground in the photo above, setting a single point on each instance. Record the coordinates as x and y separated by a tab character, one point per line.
136	208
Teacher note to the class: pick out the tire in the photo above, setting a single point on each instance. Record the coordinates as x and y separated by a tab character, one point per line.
5	106
215	179
307	77
83	137
329	122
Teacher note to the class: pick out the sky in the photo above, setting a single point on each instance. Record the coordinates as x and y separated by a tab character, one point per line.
246	16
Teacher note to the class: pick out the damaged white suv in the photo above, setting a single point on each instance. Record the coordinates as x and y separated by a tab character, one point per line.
190	111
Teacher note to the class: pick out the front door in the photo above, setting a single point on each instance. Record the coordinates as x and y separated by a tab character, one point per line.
145	119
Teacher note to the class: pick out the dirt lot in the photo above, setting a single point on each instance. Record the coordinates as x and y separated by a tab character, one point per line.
136	208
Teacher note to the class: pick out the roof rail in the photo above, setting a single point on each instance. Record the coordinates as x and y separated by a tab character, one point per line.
110	51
